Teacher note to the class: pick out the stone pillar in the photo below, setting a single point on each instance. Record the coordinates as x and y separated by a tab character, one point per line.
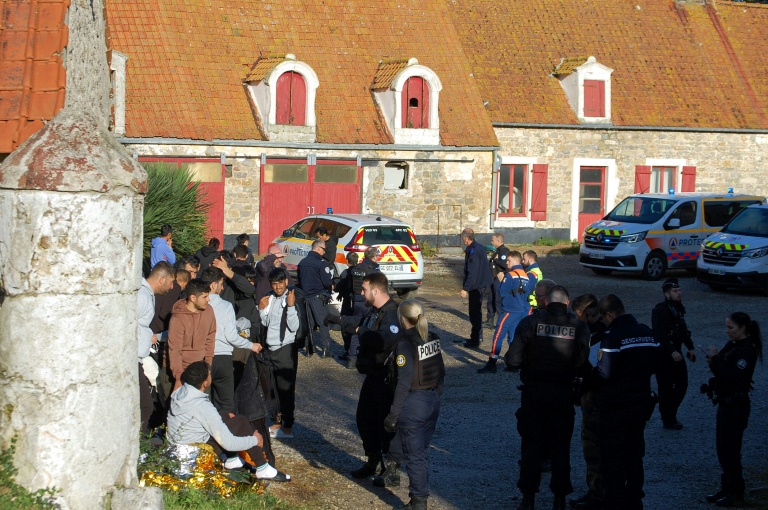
70	248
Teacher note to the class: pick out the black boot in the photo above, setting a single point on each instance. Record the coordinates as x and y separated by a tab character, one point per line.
558	503
390	477
416	503
489	368
369	468
527	503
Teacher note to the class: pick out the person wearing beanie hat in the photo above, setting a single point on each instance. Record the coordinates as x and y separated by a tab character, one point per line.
671	331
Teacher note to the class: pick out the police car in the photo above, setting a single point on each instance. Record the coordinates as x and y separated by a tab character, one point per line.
654	232
399	251
737	256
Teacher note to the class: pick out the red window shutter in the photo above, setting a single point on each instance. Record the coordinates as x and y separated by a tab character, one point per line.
298	100
642	178
594	98
539	193
283	99
415	90
689	178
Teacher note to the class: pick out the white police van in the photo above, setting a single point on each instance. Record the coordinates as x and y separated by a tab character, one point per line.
654	232
399	252
737	256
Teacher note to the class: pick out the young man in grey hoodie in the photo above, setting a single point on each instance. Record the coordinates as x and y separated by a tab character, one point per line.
193	419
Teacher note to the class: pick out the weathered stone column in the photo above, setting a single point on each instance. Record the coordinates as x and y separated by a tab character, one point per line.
71	209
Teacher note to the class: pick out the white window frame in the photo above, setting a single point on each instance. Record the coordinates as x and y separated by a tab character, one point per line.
675	162
515	221
611	187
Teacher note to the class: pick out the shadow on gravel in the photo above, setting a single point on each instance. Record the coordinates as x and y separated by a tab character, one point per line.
443	308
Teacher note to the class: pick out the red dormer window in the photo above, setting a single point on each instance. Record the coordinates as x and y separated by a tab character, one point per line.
416	103
594	98
291	99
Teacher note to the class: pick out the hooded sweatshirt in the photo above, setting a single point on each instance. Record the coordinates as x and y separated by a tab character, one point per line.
193	419
191	337
161	251
226	332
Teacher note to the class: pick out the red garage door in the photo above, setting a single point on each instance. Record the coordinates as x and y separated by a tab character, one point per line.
292	189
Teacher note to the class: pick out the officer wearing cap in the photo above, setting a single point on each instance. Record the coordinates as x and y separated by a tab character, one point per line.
670	330
550	347
315	280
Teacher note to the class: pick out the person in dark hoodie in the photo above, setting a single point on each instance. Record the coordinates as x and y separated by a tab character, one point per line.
206	254
273	260
193	419
192	330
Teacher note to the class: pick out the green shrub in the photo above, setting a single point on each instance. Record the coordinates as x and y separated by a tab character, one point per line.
12	495
427	250
174	197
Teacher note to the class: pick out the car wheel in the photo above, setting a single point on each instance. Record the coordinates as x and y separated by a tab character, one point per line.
407	293
602	272
654	267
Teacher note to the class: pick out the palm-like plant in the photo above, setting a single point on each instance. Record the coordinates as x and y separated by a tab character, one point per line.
174	197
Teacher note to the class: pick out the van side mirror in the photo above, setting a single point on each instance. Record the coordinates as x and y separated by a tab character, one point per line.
673	223
287	233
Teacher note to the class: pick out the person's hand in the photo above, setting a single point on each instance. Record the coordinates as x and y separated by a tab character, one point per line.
330	318
712	351
258	436
256	347
231	415
263	302
222	264
290	299
677	357
154	338
170	243
500	275
464	294
691	356
390	423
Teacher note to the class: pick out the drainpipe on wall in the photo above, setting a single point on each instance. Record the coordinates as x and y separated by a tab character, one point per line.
494	187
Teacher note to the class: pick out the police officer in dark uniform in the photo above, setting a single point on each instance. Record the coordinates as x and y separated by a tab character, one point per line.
316	281
417	373
733	368
549	347
671	332
627	358
477	276
378	331
330	241
498	264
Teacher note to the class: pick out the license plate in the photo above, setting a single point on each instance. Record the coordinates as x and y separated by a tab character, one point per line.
716	271
597	256
387	268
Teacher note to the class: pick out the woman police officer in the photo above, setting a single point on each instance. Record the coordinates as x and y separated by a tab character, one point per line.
418	373
733	367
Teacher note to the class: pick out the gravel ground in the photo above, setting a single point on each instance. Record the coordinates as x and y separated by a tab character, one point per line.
476	446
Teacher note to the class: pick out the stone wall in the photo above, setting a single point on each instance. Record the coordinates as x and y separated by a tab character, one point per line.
722	160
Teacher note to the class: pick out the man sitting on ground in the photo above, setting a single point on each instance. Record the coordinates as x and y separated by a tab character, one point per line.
193	419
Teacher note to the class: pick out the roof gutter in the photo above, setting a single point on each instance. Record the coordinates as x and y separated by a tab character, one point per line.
611	127
306	146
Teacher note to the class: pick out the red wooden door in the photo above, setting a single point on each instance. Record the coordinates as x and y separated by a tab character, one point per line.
591	196
291	99
415	103
335	186
284	198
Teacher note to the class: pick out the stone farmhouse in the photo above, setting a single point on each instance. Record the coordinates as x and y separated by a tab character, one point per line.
529	118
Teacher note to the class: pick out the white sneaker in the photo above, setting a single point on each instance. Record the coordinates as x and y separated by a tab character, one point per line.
233	463
279	434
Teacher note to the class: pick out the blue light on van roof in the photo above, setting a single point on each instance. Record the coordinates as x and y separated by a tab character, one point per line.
730	191
329	210
672	192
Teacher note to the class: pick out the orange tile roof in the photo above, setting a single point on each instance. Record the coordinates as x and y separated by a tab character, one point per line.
386	72
187	60
32	77
568	65
262	67
672	63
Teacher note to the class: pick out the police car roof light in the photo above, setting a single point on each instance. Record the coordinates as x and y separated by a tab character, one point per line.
730	191
329	210
672	191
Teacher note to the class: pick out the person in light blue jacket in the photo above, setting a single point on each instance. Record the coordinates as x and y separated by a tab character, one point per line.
193	419
162	247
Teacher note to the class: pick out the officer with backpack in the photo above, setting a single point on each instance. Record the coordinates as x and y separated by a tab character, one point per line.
280	316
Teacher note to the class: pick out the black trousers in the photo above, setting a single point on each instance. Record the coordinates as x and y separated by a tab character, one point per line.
146	405
622	448
285	361
672	380
493	299
476	314
372	408
223	383
590	442
415	427
545	423
240	426
732	419
318	310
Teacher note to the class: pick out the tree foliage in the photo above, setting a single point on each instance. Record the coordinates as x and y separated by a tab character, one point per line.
174	197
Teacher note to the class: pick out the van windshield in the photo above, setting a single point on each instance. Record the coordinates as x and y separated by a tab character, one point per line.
640	210
749	222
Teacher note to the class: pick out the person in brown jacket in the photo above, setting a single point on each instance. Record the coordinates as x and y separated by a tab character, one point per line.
192	330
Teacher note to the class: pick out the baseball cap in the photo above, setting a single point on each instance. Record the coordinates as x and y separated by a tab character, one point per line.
670	283
276	251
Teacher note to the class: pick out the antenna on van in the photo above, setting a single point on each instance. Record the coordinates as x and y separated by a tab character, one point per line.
378	218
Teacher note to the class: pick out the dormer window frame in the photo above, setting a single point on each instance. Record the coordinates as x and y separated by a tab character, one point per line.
390	102
310	79
573	83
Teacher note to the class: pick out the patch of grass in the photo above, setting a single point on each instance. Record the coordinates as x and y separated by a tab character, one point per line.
195	499
573	249
427	250
549	241
12	495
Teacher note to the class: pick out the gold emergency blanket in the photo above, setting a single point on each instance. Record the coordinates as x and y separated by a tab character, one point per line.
200	468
